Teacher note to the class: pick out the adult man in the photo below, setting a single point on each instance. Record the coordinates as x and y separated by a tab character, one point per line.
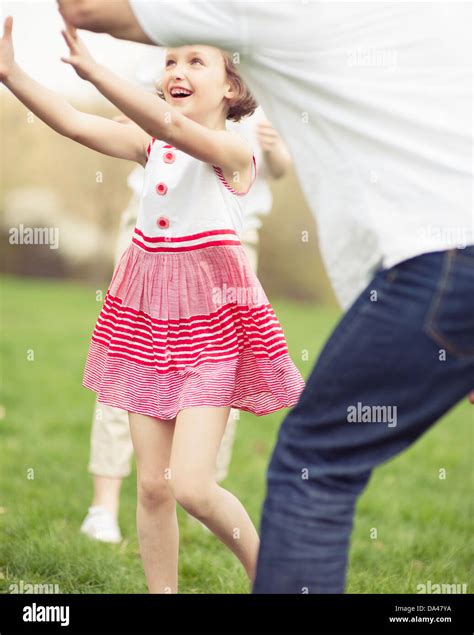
374	101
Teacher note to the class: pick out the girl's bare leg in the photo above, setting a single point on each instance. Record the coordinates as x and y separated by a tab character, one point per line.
157	524
197	435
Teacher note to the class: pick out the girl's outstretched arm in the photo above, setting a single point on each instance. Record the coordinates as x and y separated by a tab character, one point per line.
99	133
157	117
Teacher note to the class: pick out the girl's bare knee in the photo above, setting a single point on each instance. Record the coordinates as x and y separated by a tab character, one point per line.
194	496
153	492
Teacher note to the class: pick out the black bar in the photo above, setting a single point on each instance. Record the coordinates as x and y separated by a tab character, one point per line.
295	614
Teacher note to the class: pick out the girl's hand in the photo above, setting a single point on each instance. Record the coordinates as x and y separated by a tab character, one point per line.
7	56
80	58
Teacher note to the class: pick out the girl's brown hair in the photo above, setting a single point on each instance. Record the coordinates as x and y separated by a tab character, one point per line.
244	103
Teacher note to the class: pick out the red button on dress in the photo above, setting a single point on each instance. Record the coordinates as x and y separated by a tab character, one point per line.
163	222
169	157
161	188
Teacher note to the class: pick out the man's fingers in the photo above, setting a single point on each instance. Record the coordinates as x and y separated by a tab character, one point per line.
7	28
471	396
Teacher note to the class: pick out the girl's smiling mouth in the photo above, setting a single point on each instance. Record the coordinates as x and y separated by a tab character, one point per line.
177	92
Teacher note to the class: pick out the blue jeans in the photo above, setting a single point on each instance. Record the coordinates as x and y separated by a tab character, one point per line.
399	359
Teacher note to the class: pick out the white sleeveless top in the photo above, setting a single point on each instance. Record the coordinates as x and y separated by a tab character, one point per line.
183	196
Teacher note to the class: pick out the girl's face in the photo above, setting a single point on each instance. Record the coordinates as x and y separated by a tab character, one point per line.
199	69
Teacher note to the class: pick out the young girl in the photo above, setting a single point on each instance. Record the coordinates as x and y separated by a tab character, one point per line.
186	331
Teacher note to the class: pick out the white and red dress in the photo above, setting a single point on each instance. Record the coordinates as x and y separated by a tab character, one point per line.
185	320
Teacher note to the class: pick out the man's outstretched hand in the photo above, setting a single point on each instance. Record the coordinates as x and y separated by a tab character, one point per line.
471	397
104	16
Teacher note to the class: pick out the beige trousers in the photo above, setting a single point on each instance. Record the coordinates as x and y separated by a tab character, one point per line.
111	445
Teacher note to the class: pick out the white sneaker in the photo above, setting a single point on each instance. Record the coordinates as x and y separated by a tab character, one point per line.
99	524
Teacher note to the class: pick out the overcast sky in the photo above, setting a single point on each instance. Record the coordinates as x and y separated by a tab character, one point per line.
39	45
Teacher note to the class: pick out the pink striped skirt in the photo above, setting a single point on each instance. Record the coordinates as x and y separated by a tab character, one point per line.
185	322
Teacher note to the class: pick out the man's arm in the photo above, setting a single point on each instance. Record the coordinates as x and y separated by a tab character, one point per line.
104	16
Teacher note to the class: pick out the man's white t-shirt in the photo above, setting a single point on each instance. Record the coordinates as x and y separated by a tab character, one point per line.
373	99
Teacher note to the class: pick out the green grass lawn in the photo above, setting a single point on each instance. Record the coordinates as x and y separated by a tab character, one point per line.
423	523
